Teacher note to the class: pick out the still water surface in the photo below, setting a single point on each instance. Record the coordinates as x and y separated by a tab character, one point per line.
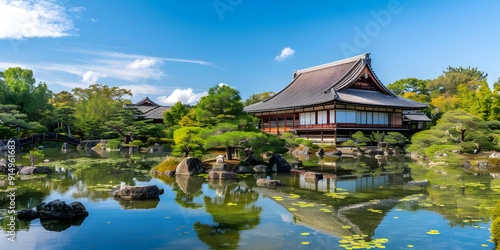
366	205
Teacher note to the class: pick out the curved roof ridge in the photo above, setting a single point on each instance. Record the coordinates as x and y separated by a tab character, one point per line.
336	63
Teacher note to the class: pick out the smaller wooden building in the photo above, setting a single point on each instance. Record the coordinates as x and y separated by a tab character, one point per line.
334	100
149	109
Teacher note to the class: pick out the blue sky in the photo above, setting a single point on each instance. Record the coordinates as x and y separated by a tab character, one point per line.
177	50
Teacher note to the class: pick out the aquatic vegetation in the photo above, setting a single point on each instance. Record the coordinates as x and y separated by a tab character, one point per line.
359	242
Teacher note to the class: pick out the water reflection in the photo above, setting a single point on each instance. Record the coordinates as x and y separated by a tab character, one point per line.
232	210
138	204
61	225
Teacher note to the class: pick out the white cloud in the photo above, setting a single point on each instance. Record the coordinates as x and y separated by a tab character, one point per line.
143	89
25	19
222	84
142	63
285	53
91	77
77	9
185	96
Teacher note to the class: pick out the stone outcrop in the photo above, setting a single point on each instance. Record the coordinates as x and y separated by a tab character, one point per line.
189	166
313	176
268	183
261	169
4	167
301	153
222	167
35	170
222	175
335	153
279	164
140	192
55	209
243	169
168	173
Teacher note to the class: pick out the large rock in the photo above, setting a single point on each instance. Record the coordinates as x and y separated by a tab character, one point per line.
221	167
495	155
189	166
313	176
57	209
140	192
35	170
27	214
321	151
335	153
222	175
4	167
243	169
261	169
268	183
279	164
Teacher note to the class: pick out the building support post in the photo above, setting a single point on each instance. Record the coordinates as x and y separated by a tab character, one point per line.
321	135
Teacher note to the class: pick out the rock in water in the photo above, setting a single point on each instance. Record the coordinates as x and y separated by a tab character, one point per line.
268	183
313	176
189	166
243	169
261	169
140	192
35	170
27	214
57	209
279	164
222	175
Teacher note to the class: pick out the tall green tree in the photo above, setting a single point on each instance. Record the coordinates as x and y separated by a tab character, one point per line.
222	102
414	85
174	115
187	142
18	87
255	98
97	104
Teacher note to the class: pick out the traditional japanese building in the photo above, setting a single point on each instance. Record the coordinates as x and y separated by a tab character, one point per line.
334	100
149	109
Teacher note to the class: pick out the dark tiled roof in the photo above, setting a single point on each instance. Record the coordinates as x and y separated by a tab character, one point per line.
376	98
143	102
418	118
328	82
156	113
149	109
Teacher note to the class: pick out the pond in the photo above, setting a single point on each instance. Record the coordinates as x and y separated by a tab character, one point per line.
362	202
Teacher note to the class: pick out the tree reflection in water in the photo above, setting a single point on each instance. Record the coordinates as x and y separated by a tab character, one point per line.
233	210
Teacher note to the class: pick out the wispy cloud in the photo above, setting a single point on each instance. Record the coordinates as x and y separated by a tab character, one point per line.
91	77
25	19
142	63
77	9
285	53
186	96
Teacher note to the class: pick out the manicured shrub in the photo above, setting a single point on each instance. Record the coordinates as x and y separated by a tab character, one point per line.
167	141
137	143
495	212
113	144
167	165
495	230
